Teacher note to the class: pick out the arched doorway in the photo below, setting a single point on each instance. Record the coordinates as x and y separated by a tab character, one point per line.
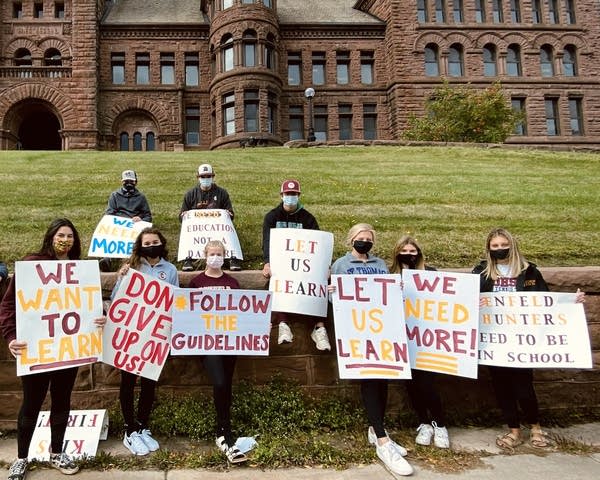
35	125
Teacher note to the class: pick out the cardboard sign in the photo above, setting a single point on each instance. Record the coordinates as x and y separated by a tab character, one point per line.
56	303
369	326
221	322
198	227
533	329
114	237
84	430
300	262
137	333
441	311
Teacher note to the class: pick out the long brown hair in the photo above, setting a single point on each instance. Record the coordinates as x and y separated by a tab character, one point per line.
135	259
516	261
47	244
400	244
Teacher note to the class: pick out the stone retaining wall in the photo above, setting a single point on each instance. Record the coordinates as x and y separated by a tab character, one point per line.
567	390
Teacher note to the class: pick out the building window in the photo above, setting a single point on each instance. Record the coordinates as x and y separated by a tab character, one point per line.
137	142
227	4
142	68
553	14
227	53
422	11
518	105
192	69
370	121
228	110
576	116
366	67
440	11
457	10
251	111
296	123
318	68
23	58
247	2
490	68
38	10
455	61
270	52
536	11
117	65
192	126
432	64
480	11
513	61
569	61
249	48
267	3
150	142
343	68
17	10
321	122
272	113
52	58
167	68
59	10
345	120
497	15
294	68
515	11
546	61
552	125
570	12
124	142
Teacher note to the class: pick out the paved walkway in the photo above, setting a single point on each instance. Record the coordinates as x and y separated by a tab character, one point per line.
523	465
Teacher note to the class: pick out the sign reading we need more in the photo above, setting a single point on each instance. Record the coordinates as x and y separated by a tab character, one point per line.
114	237
198	227
56	304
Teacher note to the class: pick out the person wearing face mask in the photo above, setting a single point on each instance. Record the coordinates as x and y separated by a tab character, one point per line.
207	195
149	257
374	391
505	269
421	389
61	242
220	368
290	213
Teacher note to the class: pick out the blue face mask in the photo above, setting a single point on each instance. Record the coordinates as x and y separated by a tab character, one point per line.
290	200
206	182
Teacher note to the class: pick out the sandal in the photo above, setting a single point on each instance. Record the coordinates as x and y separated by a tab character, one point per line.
233	453
539	439
508	441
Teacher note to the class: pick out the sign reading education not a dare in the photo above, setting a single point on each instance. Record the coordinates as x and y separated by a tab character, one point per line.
300	262
114	237
441	311
138	328
56	304
221	322
533	330
198	227
369	326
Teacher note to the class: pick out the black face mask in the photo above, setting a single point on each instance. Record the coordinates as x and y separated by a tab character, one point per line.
500	254
408	259
153	251
128	188
362	246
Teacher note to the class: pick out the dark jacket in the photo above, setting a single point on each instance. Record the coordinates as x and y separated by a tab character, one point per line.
279	218
215	197
129	205
529	280
3	271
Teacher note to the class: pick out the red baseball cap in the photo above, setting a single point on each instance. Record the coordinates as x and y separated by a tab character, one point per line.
290	186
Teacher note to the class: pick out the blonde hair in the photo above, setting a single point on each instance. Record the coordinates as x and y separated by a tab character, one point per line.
356	229
516	261
214	243
400	244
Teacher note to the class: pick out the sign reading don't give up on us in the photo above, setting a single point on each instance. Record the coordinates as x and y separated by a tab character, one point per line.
114	237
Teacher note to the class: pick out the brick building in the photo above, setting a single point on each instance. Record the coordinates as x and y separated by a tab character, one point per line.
199	74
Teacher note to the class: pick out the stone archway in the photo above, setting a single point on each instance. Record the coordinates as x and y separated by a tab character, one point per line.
35	125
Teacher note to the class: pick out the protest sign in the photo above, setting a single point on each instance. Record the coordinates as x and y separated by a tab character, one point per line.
198	227
114	237
369	326
441	311
300	262
85	429
56	305
534	330
221	322
138	328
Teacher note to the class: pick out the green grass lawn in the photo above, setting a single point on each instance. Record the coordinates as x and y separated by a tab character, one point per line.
448	197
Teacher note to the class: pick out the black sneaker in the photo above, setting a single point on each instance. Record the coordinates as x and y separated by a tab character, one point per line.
18	469
235	264
188	265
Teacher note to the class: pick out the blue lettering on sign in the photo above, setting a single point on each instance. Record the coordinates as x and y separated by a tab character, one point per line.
123	222
112	247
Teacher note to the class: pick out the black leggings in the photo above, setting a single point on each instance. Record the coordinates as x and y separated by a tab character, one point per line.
514	388
35	388
126	396
374	394
424	397
220	370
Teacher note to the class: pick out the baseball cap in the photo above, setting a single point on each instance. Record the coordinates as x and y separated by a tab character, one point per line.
205	169
128	175
290	186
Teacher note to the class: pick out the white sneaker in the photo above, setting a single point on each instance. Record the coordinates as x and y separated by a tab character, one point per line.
319	336
373	441
285	334
63	463
424	434
135	444
18	469
150	442
393	460
440	436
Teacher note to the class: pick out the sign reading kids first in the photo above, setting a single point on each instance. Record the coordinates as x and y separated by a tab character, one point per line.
114	237
56	303
369	326
300	262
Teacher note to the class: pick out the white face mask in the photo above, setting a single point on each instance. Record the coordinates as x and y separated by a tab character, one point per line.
206	182
290	200
215	261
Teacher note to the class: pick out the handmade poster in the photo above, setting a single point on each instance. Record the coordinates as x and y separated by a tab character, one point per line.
534	330
221	322
442	318
56	304
137	333
369	326
198	227
300	262
114	237
84	430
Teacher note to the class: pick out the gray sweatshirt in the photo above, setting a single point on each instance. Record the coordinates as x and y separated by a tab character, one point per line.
350	265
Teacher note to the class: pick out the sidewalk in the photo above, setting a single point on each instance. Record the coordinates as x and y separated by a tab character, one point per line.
523	465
